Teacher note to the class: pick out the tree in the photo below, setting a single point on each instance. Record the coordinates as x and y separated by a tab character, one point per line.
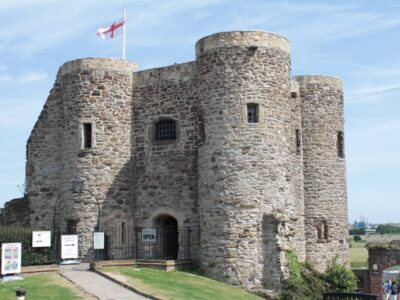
387	229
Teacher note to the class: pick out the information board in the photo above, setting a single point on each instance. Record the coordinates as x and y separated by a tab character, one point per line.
98	240
10	258
41	239
149	235
69	246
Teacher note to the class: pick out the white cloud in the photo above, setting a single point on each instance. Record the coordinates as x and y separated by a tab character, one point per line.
25	77
31	76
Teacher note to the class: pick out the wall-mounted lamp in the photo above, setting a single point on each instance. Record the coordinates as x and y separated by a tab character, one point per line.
77	184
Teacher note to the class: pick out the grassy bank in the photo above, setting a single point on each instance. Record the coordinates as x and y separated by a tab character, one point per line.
179	285
49	286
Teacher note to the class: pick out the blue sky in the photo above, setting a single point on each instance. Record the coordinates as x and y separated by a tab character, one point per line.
358	41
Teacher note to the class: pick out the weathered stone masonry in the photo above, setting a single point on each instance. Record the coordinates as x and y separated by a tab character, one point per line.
251	189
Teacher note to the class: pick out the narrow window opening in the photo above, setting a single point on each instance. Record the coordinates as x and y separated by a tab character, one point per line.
340	144
298	142
165	130
71	226
252	113
87	135
123	232
323	230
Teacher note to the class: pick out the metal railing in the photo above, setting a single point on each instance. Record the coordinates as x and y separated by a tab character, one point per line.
30	255
349	296
126	242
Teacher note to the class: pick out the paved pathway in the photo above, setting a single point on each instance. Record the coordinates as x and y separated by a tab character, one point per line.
97	285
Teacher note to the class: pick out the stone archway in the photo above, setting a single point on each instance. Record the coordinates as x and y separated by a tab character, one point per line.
381	257
168	229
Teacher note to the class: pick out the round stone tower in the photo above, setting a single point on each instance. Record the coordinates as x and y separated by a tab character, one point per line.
324	169
96	117
245	189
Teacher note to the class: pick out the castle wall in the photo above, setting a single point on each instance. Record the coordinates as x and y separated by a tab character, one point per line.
244	167
297	170
248	190
15	213
96	91
44	159
165	172
324	171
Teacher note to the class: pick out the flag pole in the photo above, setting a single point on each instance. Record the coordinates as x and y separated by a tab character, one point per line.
123	38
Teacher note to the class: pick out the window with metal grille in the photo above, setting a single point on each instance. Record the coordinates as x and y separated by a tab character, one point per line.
252	112
87	135
165	130
298	142
340	144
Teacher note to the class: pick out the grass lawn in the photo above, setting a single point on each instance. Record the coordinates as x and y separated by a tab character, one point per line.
49	286
179	285
358	252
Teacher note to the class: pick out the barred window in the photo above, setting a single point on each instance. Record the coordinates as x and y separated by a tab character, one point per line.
165	130
252	112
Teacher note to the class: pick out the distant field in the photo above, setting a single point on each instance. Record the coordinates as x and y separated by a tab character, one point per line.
358	252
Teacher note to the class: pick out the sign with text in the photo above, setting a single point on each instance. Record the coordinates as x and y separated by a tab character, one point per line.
41	239
98	240
10	258
148	235
69	246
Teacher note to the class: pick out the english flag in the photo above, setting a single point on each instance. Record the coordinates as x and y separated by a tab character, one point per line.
111	31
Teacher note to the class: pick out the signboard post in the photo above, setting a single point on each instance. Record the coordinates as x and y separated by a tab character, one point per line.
149	235
11	258
69	249
41	239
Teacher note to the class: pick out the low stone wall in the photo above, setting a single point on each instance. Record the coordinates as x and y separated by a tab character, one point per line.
166	265
15	213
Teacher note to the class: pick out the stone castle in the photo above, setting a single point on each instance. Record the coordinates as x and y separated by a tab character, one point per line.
230	145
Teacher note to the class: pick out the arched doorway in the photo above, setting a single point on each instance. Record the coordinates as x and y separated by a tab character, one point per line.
168	228
381	257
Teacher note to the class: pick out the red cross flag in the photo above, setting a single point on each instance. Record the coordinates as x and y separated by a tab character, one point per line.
111	31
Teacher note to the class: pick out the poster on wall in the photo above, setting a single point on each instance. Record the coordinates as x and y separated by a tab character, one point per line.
148	235
41	239
10	258
98	240
69	246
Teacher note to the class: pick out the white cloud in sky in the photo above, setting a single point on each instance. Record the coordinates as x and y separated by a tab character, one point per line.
31	76
24	77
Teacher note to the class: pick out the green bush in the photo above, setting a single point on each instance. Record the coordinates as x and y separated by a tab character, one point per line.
357	238
30	256
305	283
339	278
